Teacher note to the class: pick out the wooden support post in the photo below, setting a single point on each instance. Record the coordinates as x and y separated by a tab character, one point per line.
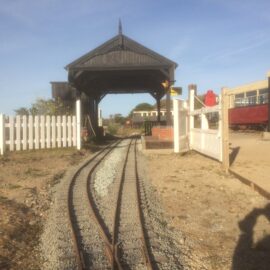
158	109
220	121
225	130
268	75
96	115
100	117
2	134
78	123
176	136
168	107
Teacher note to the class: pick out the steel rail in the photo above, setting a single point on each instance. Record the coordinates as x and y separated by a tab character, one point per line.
145	249
101	229
76	244
111	247
116	262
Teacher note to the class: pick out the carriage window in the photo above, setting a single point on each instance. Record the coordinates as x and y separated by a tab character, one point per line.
263	91
263	96
239	95
251	98
251	93
239	100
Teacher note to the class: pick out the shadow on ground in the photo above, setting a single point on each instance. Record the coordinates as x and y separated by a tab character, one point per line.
249	255
233	154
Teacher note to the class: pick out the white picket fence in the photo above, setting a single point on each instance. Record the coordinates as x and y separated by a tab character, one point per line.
37	132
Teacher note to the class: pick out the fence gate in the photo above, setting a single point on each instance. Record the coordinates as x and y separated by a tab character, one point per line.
180	122
203	137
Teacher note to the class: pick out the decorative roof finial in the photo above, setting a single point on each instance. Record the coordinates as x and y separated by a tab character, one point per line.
120	27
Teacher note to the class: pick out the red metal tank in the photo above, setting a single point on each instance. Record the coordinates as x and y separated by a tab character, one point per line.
210	98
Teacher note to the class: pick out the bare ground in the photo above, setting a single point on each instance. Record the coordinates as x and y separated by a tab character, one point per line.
251	157
222	224
26	179
219	222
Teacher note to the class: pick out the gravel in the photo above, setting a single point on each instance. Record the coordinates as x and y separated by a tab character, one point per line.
56	241
105	175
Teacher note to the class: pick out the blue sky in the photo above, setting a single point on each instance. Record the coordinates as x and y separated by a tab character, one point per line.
215	42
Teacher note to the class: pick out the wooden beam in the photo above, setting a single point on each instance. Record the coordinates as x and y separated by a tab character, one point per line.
268	127
225	130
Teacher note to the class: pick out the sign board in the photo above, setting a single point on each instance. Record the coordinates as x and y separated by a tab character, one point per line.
175	91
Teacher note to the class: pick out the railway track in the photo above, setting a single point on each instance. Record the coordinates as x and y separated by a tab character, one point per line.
123	243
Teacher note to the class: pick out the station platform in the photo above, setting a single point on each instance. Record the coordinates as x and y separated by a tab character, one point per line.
152	142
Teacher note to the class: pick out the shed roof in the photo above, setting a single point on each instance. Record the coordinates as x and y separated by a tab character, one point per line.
120	52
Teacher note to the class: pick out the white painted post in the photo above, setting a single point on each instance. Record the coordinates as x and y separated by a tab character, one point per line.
204	126
204	122
18	132
2	134
30	132
53	132
24	132
48	131
11	133
59	133
176	125
69	131
64	125
78	123
225	130
74	130
37	140
191	109
220	135
42	131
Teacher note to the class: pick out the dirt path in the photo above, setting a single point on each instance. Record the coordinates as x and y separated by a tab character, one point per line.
221	223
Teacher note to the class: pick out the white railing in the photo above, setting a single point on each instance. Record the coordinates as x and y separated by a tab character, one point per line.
37	132
251	100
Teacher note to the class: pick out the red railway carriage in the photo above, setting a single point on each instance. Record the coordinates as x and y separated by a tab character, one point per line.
255	115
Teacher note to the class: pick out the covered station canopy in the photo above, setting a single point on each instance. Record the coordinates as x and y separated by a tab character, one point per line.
120	65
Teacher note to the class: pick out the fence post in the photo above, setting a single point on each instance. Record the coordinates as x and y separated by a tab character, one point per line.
176	125
220	121
225	130
192	88
2	134
268	77
78	123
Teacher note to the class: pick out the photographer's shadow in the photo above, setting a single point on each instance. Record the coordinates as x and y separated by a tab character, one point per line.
249	255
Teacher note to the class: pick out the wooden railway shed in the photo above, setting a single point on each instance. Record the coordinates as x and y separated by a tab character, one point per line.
120	65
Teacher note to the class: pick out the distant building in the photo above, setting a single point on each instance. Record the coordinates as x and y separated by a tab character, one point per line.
139	117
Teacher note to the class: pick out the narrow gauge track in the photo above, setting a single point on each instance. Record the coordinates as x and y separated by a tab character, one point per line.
126	246
77	217
129	242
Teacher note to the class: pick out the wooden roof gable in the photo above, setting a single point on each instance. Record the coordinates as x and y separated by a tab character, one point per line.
120	52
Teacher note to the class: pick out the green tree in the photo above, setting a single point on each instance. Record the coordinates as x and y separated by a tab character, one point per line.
118	118
48	107
141	107
22	111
